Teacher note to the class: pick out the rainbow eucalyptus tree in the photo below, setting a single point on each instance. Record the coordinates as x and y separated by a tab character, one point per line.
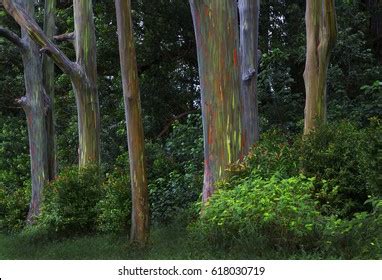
130	82
35	104
249	11
227	71
82	72
321	33
48	78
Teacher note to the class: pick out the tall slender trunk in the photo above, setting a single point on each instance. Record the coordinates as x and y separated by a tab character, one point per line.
34	105
321	31
249	40
217	38
130	82
85	85
48	75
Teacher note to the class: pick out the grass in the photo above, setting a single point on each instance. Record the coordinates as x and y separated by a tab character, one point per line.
165	243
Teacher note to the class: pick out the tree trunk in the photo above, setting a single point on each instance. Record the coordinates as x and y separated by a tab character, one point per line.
85	86
140	205
217	38
321	31
83	72
48	74
249	41
34	105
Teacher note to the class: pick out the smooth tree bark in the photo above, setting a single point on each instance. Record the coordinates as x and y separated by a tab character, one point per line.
83	72
131	93
35	104
249	11
217	38
48	76
321	32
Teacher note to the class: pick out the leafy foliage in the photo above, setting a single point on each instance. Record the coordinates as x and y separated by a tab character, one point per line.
338	153
114	208
176	175
274	212
69	203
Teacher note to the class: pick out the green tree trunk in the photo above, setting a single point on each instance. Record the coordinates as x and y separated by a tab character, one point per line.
135	137
217	37
249	40
48	75
321	31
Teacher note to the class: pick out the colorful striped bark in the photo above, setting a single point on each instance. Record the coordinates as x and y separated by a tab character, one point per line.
34	104
48	75
135	137
85	84
321	32
217	38
83	72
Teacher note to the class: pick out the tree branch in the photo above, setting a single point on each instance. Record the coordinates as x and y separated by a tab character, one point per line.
175	118
36	33
67	37
12	37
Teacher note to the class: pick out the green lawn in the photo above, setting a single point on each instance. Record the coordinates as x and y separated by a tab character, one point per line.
165	243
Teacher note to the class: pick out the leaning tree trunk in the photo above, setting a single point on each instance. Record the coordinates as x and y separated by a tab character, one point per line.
48	75
217	38
83	72
321	31
34	104
140	205
249	40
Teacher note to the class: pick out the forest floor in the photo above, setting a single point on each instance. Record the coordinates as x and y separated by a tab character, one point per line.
165	243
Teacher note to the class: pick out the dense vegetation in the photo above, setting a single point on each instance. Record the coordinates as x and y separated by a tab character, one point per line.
317	196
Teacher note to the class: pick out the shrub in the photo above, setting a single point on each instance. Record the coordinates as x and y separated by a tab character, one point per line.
69	203
14	173
338	153
176	170
14	207
114	209
273	153
358	238
259	212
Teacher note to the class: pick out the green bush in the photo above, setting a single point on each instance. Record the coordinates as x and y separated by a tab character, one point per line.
273	153
69	203
114	208
340	154
14	174
176	170
274	212
358	238
14	207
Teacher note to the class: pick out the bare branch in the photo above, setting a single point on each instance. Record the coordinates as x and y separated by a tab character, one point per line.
12	37
67	37
36	33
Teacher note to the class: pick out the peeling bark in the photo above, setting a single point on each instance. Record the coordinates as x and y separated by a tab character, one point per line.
130	82
217	36
321	32
249	40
